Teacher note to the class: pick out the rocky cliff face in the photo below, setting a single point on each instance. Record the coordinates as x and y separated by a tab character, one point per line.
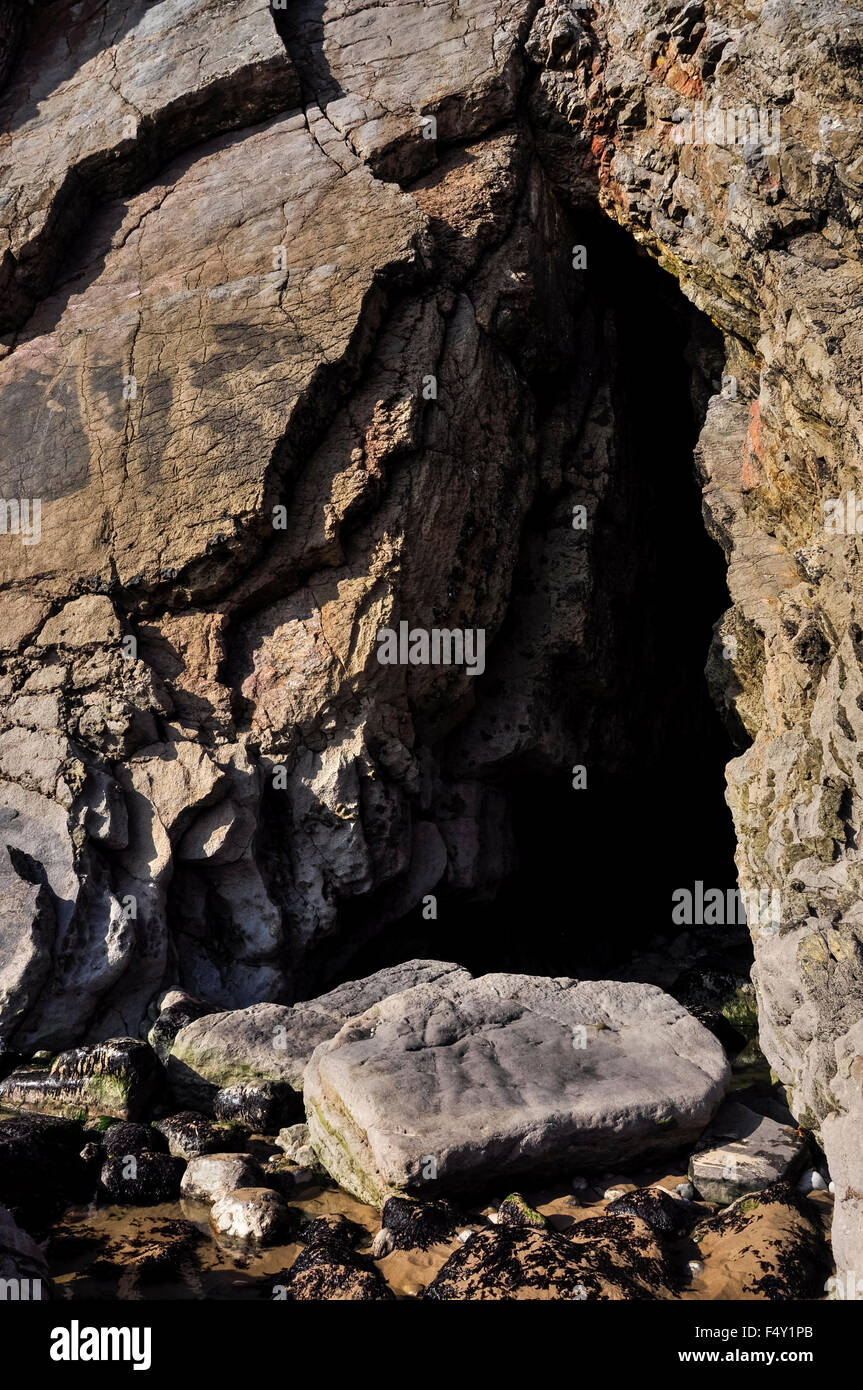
299	344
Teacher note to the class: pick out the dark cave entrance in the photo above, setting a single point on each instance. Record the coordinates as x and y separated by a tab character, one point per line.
597	868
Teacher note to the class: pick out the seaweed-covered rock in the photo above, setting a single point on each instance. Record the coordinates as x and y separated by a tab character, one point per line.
142	1179
160	1250
602	1258
416	1225
329	1269
666	1215
116	1077
514	1211
332	1227
253	1216
211	1176
189	1135
767	1245
263	1106
41	1171
126	1137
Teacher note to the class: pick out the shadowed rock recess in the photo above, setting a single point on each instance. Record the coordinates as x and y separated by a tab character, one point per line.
514	320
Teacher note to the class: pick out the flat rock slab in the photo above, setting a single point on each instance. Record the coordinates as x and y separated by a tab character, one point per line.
743	1152
273	1042
454	1082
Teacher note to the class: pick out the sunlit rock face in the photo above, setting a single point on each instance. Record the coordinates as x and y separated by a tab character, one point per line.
299	345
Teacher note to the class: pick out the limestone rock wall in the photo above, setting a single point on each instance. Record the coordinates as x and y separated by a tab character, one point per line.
292	349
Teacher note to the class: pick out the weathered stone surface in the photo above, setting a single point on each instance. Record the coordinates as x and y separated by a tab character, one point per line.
176	1009
109	91
211	1176
764	237
605	1258
742	1152
27	927
274	1042
252	1216
375	73
508	1074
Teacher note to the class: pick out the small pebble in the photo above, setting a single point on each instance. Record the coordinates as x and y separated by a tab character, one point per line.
579	1184
493	1218
831	1187
464	1236
686	1191
383	1243
695	1268
611	1194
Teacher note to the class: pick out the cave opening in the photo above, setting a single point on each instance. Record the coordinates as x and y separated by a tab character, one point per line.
597	867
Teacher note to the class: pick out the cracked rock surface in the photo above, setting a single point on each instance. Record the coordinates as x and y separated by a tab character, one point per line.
293	350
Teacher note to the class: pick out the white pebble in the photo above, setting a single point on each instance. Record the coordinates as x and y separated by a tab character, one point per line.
493	1218
695	1268
464	1236
686	1191
812	1181
831	1187
382	1243
611	1194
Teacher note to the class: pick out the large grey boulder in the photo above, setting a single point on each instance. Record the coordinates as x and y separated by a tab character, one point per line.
457	1081
273	1042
